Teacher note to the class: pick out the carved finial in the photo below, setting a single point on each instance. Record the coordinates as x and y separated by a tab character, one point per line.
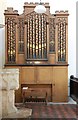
31	3
36	3
46	3
11	11
25	3
61	12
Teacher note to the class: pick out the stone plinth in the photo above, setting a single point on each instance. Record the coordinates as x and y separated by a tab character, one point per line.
9	79
9	82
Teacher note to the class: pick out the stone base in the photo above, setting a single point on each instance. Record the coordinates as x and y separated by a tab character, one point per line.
21	113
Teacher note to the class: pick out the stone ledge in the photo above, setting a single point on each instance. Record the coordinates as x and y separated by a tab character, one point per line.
21	113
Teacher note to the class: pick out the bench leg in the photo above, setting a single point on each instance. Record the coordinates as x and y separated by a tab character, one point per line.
46	98
23	100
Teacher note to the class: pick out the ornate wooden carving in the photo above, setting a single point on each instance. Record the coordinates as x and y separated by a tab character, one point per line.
11	37
61	39
21	35
52	35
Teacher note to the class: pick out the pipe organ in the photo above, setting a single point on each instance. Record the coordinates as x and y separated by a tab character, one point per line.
37	44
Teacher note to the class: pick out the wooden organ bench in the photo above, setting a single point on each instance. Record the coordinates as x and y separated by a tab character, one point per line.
33	95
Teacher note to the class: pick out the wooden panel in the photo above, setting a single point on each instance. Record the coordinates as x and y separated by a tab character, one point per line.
28	75
60	86
44	75
21	59
52	58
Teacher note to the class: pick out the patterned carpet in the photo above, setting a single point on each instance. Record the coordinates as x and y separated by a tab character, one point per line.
40	111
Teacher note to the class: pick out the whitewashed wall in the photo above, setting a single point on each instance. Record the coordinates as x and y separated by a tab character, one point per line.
77	39
3	6
69	5
2	47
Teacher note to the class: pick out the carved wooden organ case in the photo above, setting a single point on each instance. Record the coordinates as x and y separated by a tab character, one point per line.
33	38
37	44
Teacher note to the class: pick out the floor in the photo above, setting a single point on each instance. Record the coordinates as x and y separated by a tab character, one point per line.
51	111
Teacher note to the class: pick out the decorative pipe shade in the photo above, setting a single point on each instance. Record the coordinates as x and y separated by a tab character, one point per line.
40	9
